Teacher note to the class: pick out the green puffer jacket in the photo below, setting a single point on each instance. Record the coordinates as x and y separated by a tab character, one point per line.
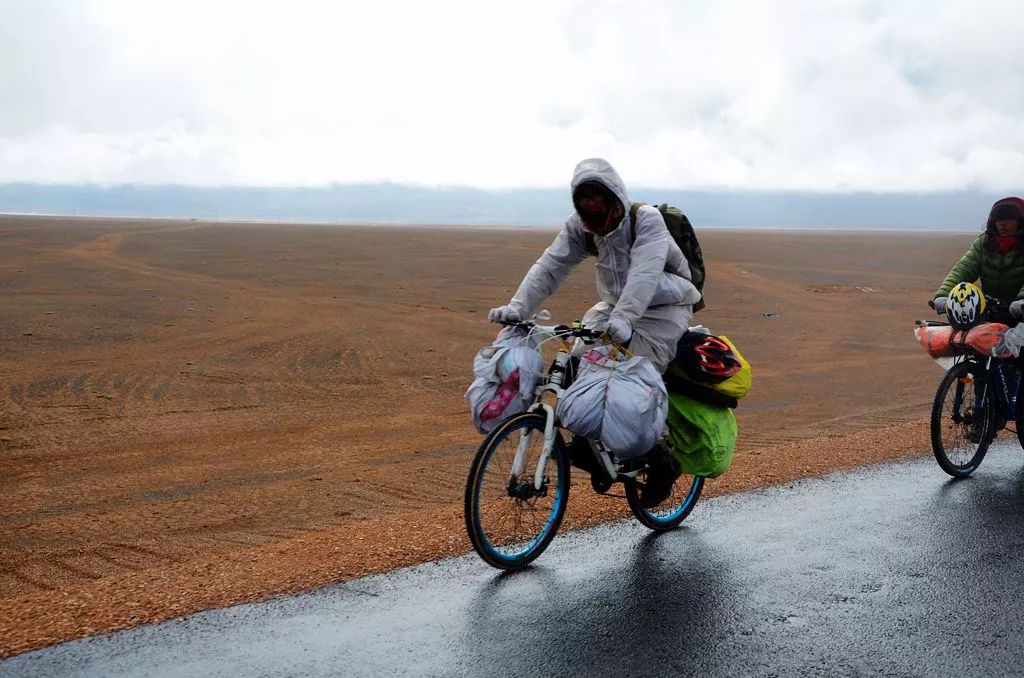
1001	273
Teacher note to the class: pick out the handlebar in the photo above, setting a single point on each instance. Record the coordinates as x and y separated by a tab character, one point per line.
562	331
993	306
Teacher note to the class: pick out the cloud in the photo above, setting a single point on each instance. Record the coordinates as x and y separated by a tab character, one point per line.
841	95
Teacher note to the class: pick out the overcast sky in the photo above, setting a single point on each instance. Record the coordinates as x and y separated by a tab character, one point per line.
843	95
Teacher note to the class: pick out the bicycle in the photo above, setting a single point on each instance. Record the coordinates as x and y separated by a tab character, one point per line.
977	397
518	484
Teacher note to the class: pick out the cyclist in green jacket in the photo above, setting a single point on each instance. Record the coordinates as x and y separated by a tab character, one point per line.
996	257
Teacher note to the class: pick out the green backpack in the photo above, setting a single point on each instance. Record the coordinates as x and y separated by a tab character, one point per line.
681	230
703	437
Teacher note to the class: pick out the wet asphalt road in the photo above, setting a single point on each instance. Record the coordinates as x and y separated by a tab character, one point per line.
892	570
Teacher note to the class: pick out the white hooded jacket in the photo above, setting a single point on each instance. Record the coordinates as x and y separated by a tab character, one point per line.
633	271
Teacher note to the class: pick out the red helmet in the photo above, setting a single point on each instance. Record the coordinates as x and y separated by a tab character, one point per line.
709	359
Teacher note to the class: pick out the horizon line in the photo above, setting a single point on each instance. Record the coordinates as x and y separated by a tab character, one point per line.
453	226
467	187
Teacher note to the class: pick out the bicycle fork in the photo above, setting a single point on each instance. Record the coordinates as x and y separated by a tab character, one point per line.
524	444
978	409
986	395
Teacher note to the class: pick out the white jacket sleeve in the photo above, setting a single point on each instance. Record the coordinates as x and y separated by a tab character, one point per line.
550	271
647	264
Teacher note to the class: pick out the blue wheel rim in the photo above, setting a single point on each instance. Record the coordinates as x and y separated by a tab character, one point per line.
548	523
686	505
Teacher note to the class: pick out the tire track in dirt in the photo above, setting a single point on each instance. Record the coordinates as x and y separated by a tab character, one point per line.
132	384
279	320
264	304
77	566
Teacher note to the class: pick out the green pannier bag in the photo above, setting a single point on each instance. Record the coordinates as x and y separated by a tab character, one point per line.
703	437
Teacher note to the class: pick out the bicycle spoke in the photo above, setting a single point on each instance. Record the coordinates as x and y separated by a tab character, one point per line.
512	523
962	419
961	449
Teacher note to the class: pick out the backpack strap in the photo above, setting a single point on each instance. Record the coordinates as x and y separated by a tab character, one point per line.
633	209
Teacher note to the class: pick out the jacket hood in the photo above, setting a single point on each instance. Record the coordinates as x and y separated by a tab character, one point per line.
601	171
1002	209
1006	205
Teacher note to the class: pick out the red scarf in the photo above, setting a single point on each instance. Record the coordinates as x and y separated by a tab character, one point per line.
1005	243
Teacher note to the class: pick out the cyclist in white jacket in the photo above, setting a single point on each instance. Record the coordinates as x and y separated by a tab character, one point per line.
643	281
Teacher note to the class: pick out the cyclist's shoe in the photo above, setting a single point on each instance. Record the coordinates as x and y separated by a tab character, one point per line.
581	456
662	473
974	432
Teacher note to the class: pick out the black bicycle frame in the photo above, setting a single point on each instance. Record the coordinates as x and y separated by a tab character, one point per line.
1005	378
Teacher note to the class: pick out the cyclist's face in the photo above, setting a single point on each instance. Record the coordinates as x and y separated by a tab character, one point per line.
590	199
593	203
1005	227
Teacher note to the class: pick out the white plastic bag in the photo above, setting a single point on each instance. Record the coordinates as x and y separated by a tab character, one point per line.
1011	343
507	373
622	403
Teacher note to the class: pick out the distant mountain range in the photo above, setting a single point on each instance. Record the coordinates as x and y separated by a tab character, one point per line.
544	207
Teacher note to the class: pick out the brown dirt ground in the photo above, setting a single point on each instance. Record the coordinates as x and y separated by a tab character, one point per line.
194	415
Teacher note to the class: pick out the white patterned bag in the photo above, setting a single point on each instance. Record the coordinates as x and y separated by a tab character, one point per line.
507	373
622	403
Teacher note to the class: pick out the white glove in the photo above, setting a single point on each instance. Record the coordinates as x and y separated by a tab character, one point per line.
619	330
940	305
1017	309
503	314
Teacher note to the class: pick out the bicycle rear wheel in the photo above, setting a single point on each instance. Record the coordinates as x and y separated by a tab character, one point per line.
670	513
510	522
963	419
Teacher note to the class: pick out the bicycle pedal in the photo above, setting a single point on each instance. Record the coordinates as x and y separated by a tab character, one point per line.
600	485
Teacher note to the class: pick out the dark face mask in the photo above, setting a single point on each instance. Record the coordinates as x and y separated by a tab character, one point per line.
594	221
593	204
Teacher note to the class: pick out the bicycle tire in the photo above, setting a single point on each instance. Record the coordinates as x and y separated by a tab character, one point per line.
672	512
1019	418
957	432
484	537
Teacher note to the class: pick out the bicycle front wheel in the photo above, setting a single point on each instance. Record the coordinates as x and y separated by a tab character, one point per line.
1019	419
509	520
963	419
673	510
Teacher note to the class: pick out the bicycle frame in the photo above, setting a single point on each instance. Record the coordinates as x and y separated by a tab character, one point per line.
546	386
1006	396
1003	396
554	386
